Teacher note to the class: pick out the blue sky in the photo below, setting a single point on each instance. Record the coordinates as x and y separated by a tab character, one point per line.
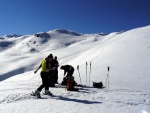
25	17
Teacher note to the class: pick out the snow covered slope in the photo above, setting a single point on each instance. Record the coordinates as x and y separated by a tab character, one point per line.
126	53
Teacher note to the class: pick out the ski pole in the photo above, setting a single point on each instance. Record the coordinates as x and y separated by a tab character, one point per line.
86	72
79	74
108	75
107	78
90	73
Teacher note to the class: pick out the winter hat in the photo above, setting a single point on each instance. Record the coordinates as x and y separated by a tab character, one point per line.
55	57
50	56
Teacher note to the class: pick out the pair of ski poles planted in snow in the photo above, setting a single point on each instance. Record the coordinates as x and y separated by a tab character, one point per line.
86	73
107	78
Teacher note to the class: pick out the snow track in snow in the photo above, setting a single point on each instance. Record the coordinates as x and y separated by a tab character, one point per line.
86	95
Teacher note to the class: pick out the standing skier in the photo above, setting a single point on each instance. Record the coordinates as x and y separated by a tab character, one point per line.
44	75
54	73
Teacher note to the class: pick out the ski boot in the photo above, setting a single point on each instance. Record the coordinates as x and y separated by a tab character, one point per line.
47	92
37	94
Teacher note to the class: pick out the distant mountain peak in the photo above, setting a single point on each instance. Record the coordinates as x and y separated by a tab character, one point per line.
63	31
42	35
14	35
102	34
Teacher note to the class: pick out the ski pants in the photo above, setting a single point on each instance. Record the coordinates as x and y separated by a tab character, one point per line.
45	81
55	76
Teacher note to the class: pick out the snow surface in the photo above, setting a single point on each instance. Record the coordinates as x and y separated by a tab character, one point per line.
126	53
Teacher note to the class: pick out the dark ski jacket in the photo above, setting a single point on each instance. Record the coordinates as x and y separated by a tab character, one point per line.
67	68
54	63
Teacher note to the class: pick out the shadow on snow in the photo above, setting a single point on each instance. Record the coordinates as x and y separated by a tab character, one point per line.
11	73
79	101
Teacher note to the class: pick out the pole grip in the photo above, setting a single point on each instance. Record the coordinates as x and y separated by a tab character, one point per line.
108	68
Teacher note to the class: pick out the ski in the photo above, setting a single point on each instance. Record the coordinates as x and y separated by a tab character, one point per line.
44	96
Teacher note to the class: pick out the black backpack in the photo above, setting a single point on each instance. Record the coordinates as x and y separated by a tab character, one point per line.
98	84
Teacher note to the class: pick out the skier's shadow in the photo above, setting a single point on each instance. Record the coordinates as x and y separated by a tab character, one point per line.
79	101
